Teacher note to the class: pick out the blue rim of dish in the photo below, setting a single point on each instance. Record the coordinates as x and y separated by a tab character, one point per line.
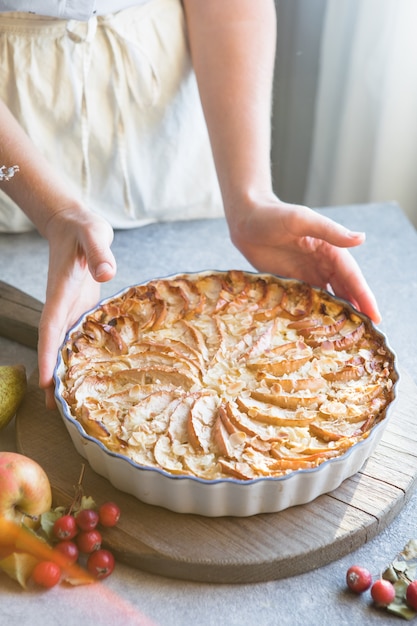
228	481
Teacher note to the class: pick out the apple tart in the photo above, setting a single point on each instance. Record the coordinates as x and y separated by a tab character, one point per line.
226	375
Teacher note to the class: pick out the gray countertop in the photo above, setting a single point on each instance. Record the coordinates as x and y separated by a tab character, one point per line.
389	262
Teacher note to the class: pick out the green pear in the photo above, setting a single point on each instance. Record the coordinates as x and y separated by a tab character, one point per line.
13	384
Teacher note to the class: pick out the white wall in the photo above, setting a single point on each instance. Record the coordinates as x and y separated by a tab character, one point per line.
344	112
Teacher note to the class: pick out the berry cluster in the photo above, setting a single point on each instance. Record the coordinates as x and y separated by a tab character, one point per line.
77	535
359	579
393	590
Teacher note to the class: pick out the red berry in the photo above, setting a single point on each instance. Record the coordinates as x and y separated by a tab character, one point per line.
358	578
65	527
46	574
109	514
411	595
89	541
382	592
69	549
100	563
87	519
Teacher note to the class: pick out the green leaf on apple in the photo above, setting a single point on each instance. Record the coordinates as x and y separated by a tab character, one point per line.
18	566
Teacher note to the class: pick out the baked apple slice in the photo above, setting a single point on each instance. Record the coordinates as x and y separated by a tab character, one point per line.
174	350
154	358
290	385
174	299
209	334
270	414
253	428
227	444
162	375
346	373
98	336
269	306
93	385
210	286
327	328
141	305
237	469
177	429
336	430
284	359
151	413
193	298
201	420
338	341
165	457
299	460
297	300
221	438
261	341
229	425
288	401
201	465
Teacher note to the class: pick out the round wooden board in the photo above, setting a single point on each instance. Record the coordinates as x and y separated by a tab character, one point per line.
236	550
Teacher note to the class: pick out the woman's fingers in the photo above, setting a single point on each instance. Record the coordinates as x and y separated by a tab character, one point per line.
96	240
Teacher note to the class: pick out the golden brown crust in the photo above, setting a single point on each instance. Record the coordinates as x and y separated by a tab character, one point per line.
227	374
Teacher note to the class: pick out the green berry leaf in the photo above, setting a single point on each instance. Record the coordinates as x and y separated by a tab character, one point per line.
87	502
49	518
402	610
390	574
404	569
409	551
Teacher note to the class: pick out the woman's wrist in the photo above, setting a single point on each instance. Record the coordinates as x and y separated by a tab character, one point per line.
63	214
245	204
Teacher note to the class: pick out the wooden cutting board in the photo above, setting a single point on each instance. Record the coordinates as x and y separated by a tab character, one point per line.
19	315
236	550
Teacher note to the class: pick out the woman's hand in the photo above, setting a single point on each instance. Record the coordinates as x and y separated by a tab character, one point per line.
80	259
79	242
292	240
236	95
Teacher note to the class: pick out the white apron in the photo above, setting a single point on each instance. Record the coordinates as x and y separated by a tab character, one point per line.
112	103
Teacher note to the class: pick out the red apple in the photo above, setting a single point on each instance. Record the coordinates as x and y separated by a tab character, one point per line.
25	490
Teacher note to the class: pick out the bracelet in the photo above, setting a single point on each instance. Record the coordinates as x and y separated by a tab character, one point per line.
6	173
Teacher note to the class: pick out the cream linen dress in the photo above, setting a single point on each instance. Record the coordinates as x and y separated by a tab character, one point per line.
111	100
